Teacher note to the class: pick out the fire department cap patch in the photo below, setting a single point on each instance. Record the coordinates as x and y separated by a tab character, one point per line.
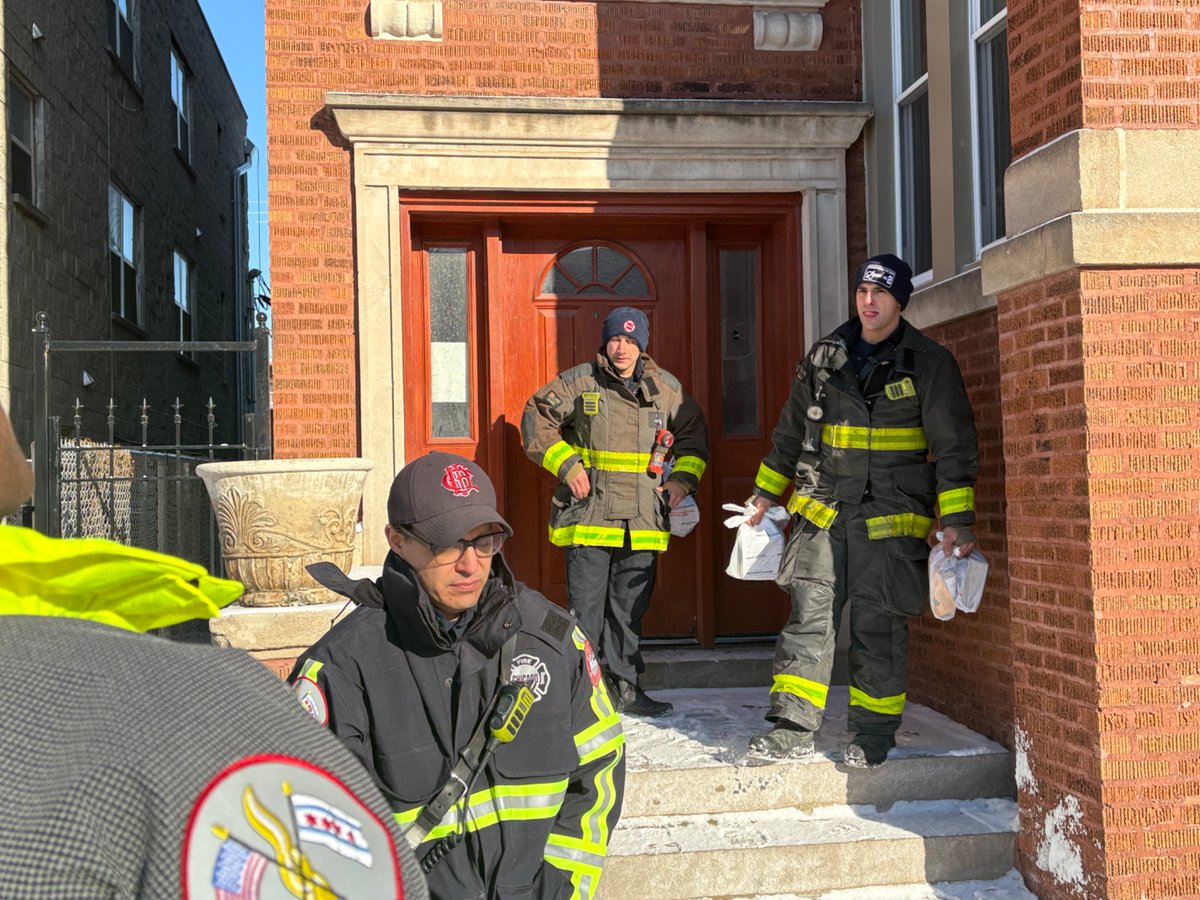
275	827
459	480
312	698
531	672
630	326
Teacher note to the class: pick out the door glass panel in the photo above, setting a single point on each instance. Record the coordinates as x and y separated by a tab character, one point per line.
449	363
633	284
595	270
738	280
578	264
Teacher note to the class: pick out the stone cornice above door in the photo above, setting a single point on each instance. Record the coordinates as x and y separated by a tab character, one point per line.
573	144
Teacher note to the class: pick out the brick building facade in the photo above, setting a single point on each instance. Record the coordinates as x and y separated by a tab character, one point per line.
415	130
126	212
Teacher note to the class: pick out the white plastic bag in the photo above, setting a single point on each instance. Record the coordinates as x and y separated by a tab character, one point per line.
757	549
686	515
955	582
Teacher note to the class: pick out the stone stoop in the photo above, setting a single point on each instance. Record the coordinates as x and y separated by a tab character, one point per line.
701	820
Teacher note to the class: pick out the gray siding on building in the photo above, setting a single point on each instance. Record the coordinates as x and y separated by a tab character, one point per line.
99	126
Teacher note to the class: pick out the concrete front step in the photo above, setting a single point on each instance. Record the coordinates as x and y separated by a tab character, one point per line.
694	760
788	850
1008	887
729	665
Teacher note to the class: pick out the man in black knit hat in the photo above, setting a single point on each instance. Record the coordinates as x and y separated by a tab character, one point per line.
870	405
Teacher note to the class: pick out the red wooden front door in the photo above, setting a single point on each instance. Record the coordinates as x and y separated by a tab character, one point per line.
502	296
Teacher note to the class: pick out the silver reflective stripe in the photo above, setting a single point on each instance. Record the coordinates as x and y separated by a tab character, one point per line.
588	747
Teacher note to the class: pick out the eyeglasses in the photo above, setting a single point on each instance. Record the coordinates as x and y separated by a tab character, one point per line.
485	546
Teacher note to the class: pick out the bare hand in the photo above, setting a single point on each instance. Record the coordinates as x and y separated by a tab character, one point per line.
580	485
675	492
949	536
761	504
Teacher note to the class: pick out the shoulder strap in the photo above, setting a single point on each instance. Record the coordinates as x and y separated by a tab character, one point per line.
464	770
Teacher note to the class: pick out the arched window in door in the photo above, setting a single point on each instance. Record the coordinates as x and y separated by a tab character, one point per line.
596	270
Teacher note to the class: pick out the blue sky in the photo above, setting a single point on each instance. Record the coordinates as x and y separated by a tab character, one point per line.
240	29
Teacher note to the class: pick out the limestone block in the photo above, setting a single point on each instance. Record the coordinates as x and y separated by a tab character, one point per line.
787	30
406	20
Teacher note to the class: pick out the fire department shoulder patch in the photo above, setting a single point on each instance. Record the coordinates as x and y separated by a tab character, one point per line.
531	672
593	667
275	827
312	698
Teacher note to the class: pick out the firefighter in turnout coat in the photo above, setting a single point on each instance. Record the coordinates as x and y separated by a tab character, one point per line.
870	404
411	681
602	428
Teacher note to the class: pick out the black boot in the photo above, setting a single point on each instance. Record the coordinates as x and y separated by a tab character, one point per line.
632	700
784	741
868	751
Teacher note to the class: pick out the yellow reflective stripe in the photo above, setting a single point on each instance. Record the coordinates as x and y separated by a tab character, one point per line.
812	691
693	465
588	535
582	861
648	540
854	437
310	669
593	826
957	500
898	525
502	803
816	512
599	739
889	706
771	481
558	453
613	460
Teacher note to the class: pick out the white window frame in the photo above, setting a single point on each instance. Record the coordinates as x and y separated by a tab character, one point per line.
34	149
123	221
981	33
183	295
181	89
902	96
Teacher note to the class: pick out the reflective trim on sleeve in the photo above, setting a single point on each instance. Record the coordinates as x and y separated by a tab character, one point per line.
557	454
582	861
816	512
771	481
854	437
613	460
596	740
588	536
888	706
956	501
310	669
812	691
692	465
898	525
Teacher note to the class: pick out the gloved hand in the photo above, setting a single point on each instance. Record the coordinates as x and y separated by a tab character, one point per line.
957	540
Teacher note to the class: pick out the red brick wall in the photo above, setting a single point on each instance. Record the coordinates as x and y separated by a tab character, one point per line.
1139	64
1043	371
1141	343
490	47
1101	411
963	668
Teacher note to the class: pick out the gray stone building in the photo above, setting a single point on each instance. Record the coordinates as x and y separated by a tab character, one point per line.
125	213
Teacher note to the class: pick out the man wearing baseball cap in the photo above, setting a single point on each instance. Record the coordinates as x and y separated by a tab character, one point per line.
604	430
870	405
417	682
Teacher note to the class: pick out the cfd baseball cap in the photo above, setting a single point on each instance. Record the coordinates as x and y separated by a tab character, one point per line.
440	496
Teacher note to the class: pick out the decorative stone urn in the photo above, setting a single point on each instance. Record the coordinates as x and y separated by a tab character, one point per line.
276	516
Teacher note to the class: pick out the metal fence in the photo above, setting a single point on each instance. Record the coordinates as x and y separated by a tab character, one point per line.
144	495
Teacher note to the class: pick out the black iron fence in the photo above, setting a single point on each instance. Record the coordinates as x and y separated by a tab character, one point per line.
143	494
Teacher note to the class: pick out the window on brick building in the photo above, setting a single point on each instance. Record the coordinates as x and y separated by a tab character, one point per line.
912	139
123	255
120	32
23	149
993	142
180	94
183	296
